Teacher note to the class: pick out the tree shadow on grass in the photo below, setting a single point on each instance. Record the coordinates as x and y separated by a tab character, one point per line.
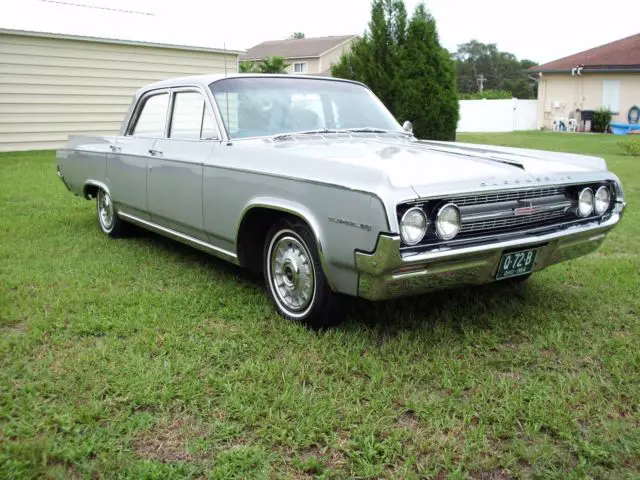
503	305
499	306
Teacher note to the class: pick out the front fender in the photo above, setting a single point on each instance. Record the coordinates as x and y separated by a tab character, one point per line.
341	221
293	208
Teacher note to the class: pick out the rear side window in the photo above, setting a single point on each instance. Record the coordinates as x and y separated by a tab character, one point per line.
153	115
190	119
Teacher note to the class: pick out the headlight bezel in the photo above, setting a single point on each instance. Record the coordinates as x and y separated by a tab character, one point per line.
440	211
424	230
585	191
602	188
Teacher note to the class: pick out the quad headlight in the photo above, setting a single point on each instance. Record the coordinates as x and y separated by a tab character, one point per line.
413	226
602	200
585	202
448	222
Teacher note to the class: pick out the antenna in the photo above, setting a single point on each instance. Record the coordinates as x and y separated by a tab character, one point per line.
224	46
226	89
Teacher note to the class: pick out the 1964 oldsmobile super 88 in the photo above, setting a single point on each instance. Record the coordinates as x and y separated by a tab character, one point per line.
313	182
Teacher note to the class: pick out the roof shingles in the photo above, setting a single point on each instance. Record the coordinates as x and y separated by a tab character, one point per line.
619	54
295	48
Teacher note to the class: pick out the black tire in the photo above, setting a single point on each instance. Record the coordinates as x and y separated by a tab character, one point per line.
299	258
108	220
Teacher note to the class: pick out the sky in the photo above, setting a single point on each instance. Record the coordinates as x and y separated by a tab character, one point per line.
540	30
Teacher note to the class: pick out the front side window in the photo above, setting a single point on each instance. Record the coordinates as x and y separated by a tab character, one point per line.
264	106
300	67
152	117
190	119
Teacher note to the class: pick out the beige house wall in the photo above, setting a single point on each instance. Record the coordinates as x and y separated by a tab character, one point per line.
312	64
320	64
334	55
560	94
52	87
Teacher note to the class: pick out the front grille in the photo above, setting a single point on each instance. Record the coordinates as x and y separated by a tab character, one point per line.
509	212
512	222
508	196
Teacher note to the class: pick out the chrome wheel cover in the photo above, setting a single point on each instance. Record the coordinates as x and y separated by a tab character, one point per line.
291	274
105	210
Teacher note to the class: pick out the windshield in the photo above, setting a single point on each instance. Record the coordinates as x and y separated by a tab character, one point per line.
264	106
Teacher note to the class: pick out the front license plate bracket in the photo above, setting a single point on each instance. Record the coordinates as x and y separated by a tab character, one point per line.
515	264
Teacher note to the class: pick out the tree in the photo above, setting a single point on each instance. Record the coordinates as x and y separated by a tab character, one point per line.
296	35
427	88
499	70
273	65
404	64
248	66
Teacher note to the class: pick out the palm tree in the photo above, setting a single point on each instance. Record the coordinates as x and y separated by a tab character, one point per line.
273	65
247	66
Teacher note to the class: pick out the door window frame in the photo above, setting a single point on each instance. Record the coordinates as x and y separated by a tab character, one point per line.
142	101
171	91
207	109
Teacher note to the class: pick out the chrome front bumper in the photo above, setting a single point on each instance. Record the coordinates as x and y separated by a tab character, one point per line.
386	274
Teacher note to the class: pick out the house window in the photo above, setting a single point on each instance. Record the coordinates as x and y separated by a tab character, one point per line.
300	67
611	95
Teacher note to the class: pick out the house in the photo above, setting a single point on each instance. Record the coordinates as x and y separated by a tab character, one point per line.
54	85
312	56
606	76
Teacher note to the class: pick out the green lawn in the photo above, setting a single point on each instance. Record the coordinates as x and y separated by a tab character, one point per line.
142	358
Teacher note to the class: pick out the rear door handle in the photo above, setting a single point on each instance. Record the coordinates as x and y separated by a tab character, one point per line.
155	153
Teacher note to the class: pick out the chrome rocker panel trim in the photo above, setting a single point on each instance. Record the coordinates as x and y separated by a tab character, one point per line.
386	274
180	237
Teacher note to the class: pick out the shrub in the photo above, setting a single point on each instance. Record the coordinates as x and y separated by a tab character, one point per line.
487	94
601	120
630	147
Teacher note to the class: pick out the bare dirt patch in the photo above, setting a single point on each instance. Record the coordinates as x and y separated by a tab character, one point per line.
167	442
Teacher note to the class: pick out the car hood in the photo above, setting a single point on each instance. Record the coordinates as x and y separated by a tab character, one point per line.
425	164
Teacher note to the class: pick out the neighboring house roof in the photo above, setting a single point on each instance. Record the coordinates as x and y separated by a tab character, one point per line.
621	55
89	22
10	31
296	48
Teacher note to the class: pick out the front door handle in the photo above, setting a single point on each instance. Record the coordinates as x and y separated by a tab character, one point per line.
155	153
115	148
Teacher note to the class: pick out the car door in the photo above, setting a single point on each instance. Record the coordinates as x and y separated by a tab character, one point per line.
174	177
128	160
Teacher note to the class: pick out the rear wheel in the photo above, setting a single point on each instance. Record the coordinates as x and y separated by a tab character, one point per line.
108	219
294	277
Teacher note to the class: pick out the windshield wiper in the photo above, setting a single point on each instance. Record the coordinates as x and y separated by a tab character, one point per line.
373	130
305	132
339	130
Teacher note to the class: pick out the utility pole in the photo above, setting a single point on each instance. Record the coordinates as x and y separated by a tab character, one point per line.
480	79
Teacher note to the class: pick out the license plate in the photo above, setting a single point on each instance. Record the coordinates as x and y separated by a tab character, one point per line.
514	264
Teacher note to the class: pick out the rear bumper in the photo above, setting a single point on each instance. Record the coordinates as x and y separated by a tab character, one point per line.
386	274
61	177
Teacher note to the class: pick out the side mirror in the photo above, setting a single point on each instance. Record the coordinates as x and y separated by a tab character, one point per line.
408	126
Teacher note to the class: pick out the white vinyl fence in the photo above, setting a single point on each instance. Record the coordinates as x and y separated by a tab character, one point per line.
497	115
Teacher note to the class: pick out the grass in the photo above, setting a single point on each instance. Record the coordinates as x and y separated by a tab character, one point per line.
142	358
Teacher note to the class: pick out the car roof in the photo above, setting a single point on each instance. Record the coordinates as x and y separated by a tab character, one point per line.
206	80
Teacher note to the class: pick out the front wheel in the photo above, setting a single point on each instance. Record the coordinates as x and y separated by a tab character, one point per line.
108	219
294	277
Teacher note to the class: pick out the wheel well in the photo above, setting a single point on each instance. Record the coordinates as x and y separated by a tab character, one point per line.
253	233
90	191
